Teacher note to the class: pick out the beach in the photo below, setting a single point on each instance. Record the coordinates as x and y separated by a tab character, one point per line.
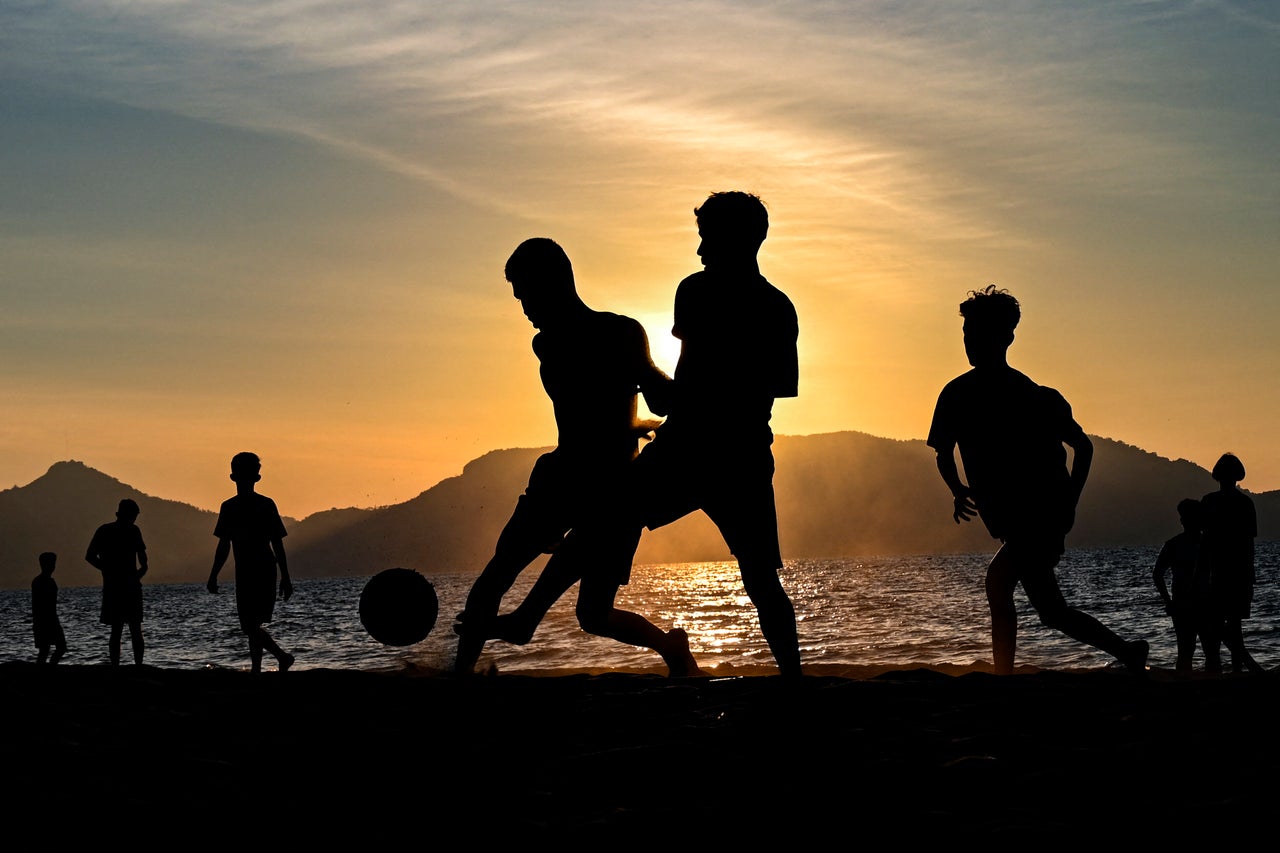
636	759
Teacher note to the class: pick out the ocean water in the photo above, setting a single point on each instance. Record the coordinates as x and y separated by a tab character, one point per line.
896	611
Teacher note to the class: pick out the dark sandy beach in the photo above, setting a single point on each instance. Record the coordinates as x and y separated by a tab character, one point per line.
626	760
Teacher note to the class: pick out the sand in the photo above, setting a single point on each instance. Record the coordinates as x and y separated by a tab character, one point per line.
636	760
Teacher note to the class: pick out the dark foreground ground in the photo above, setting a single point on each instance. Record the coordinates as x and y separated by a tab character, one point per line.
165	758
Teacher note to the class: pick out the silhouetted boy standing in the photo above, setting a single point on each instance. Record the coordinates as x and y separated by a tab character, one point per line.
44	612
1179	556
249	524
1011	432
117	550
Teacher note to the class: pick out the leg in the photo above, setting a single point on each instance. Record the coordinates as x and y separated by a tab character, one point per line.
255	648
475	622
113	644
266	642
777	615
518	626
597	615
1041	586
1002	577
1233	638
1210	628
59	649
743	508
537	526
135	635
42	654
1184	629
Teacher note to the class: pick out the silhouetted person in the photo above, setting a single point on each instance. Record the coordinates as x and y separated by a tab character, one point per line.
592	364
738	354
249	526
1179	556
1011	432
117	550
44	612
1226	563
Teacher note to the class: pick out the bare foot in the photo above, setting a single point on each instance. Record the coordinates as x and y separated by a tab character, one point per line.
679	659
286	661
1136	660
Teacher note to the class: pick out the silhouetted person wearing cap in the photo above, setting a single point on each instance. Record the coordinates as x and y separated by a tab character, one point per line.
1179	556
1226	565
51	641
117	550
592	364
249	526
1011	434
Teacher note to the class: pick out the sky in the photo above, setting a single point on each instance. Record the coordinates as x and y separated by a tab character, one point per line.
281	227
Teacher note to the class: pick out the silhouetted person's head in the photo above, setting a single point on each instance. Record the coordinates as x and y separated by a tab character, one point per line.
127	511
1229	469
1189	513
246	468
541	278
47	562
732	226
990	316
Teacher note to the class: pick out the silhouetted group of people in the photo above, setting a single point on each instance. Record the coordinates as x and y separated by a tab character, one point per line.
1212	569
248	526
589	499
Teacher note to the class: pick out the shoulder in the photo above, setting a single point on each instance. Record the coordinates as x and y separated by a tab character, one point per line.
777	298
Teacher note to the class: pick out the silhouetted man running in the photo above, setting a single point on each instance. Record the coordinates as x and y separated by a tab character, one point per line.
592	364
1011	433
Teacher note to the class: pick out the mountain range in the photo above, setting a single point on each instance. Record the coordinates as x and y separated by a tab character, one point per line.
844	494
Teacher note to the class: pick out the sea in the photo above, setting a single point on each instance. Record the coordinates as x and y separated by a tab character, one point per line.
893	611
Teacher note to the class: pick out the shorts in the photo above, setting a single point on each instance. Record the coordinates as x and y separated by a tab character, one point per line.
564	493
732	485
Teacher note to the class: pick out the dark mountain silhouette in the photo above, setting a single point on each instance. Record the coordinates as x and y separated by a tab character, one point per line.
839	494
59	512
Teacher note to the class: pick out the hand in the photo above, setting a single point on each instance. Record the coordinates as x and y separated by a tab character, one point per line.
286	589
212	585
964	509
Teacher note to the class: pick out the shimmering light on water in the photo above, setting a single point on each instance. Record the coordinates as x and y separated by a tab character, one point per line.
896	611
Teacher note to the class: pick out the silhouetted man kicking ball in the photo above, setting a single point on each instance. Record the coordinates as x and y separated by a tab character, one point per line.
592	364
1011	433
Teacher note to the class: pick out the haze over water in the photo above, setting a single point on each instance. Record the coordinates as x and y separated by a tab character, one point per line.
890	611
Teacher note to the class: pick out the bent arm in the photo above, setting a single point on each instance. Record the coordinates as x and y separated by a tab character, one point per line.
1083	461
657	387
1163	564
963	507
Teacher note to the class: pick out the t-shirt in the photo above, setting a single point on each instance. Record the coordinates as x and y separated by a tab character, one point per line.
738	354
252	523
1010	432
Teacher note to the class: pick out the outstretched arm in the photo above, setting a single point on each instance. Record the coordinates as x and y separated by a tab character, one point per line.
219	560
963	507
1080	466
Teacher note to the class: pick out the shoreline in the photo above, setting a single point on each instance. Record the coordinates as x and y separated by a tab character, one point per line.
629	757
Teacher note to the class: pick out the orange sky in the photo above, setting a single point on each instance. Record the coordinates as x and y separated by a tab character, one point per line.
283	229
